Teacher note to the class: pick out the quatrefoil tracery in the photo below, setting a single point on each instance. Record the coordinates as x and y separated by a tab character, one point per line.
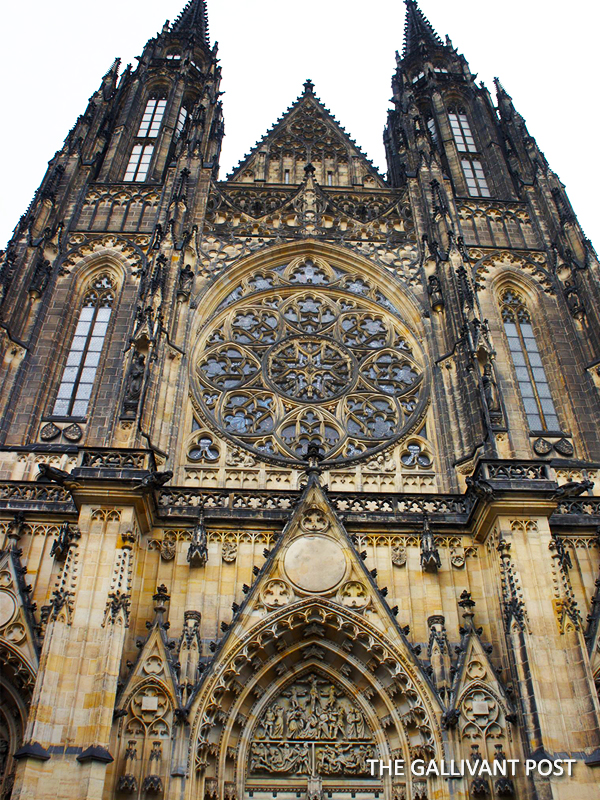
320	359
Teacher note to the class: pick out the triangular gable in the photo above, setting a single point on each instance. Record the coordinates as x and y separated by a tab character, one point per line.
315	558
479	701
154	665
17	631
307	134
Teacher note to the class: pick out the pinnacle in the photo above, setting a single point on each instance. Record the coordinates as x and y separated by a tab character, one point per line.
114	68
418	31
308	86
500	90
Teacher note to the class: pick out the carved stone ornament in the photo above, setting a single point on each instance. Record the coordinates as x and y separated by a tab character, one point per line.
229	552
276	593
542	447
49	431
308	355
311	728
481	714
354	595
399	555
167	550
457	558
73	432
564	447
314	521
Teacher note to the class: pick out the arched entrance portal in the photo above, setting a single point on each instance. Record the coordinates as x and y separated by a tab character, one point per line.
312	736
299	705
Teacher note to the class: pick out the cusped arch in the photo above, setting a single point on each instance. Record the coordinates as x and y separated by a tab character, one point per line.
212	295
494	267
122	256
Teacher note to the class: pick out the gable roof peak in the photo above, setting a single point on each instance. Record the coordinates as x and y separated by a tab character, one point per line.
328	130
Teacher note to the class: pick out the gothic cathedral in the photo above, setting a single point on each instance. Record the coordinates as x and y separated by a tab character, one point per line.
300	468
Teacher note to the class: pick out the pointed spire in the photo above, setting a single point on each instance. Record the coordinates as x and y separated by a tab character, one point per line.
418	31
113	70
193	19
505	103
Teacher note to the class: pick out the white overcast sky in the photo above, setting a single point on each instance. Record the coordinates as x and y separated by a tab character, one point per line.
545	52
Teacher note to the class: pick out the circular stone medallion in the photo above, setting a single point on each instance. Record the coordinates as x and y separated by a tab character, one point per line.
315	563
7	608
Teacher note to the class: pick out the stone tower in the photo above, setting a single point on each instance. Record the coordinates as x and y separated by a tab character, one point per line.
299	467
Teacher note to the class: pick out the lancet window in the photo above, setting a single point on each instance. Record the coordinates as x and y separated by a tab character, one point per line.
83	360
531	375
461	130
472	168
143	149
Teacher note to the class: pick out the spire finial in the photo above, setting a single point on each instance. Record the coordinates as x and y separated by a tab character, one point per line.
193	19
308	86
418	31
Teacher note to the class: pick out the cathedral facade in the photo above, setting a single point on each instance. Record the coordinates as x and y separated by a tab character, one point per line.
299	468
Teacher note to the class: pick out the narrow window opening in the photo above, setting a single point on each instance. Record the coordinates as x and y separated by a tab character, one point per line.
80	371
183	114
286	176
475	178
152	119
432	129
139	162
330	179
461	130
531	375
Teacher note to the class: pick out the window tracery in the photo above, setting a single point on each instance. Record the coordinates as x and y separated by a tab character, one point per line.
308	354
531	376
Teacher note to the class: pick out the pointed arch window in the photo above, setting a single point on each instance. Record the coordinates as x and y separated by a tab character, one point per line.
531	375
80	370
143	149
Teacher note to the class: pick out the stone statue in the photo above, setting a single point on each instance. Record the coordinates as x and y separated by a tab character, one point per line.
490	389
135	381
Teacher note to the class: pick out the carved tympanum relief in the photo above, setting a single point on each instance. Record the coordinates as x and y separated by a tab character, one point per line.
312	728
308	354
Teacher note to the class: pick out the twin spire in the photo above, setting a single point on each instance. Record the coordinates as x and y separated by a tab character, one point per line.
418	31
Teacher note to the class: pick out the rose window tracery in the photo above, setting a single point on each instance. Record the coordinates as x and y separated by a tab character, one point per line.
308	354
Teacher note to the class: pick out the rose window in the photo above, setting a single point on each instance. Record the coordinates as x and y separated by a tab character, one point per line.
308	354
